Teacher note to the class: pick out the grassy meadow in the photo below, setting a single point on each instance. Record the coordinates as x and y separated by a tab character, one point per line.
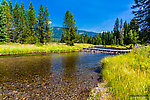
16	48
127	76
6	49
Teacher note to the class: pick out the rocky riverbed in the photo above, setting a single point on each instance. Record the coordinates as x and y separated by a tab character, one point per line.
49	77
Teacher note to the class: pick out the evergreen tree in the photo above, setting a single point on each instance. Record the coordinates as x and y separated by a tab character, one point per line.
41	29
111	38
103	38
62	38
131	36
11	32
116	30
134	25
48	29
126	30
8	20
69	28
22	33
121	32
31	24
99	41
135	37
142	14
86	38
3	34
16	19
135	28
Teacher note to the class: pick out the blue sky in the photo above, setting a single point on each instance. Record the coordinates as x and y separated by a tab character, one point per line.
91	15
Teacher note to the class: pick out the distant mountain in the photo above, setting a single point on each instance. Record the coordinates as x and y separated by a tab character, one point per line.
57	32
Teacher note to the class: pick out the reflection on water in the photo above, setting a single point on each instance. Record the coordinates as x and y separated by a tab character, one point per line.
48	76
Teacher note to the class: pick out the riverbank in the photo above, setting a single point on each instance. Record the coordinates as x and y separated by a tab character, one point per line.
10	49
126	76
16	48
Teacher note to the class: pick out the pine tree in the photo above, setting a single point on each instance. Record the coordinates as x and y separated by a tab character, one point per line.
142	14
134	25
16	19
135	37
131	36
3	34
62	38
41	30
126	30
22	33
69	28
121	32
116	30
31	25
99	41
103	38
8	20
86	38
135	28
48	29
11	32
111	37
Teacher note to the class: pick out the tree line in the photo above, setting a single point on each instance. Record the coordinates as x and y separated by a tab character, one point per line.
19	25
123	33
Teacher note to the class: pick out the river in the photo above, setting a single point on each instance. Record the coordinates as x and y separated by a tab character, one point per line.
67	76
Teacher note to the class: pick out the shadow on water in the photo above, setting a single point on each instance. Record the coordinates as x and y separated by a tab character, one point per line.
49	76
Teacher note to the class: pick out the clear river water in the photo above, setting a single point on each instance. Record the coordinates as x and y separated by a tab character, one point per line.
65	76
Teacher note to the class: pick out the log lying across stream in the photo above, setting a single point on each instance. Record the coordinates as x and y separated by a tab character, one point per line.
108	51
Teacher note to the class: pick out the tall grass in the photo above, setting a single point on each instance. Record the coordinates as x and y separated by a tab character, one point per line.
51	47
128	76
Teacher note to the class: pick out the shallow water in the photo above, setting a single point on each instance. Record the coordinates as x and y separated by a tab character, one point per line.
49	76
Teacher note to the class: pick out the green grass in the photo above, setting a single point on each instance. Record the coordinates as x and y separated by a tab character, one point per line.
7	49
128	74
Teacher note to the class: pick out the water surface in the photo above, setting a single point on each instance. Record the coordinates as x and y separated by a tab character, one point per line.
49	76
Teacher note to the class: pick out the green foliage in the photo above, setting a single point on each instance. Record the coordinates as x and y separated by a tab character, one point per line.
69	29
22	26
16	22
22	34
41	24
8	20
142	13
116	30
31	24
128	74
48	29
44	30
3	34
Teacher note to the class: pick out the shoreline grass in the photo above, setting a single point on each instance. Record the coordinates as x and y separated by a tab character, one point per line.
128	76
16	48
10	49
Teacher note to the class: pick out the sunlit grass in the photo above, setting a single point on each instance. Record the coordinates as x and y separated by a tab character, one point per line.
48	48
128	74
